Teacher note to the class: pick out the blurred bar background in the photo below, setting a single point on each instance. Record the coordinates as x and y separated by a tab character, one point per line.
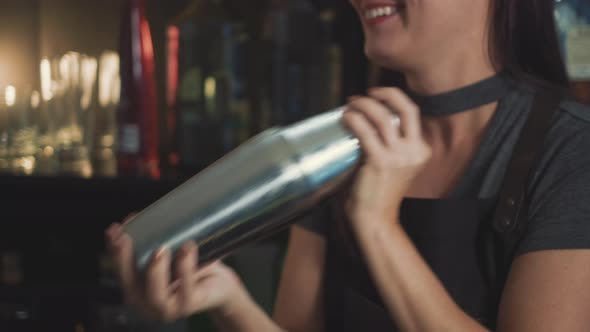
105	106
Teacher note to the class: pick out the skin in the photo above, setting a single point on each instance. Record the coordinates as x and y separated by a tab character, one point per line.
545	291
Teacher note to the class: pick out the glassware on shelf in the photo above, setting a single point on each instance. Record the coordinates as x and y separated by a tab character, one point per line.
19	131
105	123
72	120
46	162
6	101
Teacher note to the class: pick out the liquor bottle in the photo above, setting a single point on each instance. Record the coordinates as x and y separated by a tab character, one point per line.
206	100
305	61
573	24
137	115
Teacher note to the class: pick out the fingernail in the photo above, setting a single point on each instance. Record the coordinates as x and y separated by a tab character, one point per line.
188	248
109	232
129	218
119	241
160	253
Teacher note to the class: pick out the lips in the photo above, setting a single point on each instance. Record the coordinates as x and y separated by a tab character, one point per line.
377	11
373	13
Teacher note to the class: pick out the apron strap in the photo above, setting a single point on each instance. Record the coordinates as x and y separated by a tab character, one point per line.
509	221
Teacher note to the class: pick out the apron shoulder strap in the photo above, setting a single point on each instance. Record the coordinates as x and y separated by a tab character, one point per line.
510	217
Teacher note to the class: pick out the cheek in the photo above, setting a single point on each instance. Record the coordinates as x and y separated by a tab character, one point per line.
451	18
437	24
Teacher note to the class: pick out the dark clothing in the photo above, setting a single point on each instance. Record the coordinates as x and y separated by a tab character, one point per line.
448	232
441	230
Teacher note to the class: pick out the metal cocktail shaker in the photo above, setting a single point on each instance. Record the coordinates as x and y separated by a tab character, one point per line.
252	192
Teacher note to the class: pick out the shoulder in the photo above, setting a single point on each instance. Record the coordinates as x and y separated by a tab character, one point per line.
575	109
571	122
559	187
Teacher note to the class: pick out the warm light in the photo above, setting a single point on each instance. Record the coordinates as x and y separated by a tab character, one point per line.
69	68
46	79
89	66
64	69
173	47
210	87
109	79
210	90
10	95
146	40
35	99
116	91
48	151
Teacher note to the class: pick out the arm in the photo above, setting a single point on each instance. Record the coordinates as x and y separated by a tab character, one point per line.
414	296
244	316
547	290
217	290
299	304
299	301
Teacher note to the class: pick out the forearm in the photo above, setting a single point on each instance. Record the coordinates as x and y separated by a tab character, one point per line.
244	315
413	294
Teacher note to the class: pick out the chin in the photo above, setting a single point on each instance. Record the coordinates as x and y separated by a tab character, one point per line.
384	56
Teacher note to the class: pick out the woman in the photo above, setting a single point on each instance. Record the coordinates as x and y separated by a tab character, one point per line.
401	249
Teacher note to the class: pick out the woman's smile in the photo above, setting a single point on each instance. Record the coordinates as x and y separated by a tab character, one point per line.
374	13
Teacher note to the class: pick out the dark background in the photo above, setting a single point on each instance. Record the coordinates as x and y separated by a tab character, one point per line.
56	224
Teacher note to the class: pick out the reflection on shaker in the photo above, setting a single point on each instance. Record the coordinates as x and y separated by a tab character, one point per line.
251	193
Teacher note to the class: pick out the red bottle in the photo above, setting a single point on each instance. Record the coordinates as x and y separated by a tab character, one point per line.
137	116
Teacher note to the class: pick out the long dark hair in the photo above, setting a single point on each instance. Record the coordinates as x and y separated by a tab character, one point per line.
524	42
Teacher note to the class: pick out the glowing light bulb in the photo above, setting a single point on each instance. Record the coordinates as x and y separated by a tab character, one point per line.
46	90
10	95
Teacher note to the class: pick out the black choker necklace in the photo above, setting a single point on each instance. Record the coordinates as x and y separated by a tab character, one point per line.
465	98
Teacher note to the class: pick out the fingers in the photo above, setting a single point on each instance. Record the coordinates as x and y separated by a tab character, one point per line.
121	247
379	116
364	131
129	217
186	267
157	281
406	109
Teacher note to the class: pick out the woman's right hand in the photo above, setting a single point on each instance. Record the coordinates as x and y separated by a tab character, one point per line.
169	294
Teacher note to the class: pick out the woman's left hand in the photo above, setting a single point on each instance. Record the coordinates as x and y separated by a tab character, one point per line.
394	154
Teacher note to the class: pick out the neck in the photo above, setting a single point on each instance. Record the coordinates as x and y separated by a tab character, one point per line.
454	130
458	130
446	78
461	65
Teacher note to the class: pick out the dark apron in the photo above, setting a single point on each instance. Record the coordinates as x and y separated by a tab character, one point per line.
468	243
448	234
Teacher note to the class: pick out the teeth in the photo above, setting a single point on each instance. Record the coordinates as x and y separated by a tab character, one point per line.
380	11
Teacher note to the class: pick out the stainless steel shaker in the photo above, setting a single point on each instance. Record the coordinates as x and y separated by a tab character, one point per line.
257	189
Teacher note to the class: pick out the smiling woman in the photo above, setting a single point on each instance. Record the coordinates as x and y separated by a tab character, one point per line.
412	244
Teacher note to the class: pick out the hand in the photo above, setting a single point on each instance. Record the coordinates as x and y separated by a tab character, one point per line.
394	154
212	288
